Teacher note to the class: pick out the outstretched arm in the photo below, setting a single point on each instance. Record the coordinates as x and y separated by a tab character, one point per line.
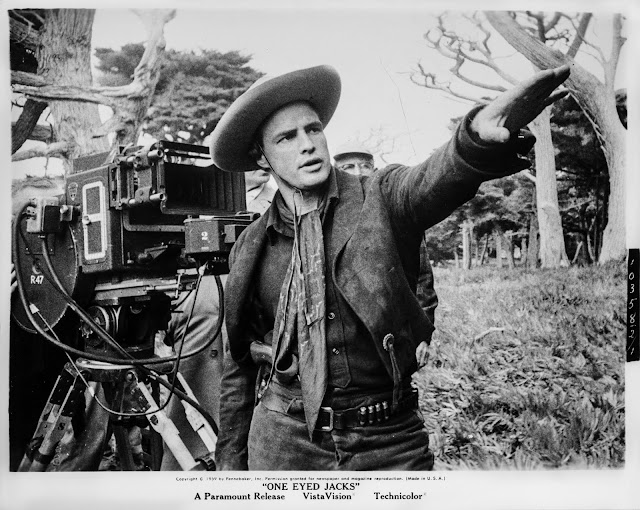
488	144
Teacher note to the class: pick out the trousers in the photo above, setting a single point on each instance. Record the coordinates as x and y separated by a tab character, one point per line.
279	440
203	371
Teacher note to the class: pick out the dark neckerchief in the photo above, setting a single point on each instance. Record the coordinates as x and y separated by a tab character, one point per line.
299	347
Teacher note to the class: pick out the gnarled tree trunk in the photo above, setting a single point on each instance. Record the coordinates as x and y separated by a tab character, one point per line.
534	243
508	237
483	252
64	58
497	235
64	81
467	235
597	100
552	249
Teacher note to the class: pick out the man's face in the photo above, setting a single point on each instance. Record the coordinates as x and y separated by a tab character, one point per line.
295	146
355	164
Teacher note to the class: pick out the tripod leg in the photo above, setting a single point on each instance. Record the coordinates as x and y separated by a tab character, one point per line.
151	438
126	432
58	394
124	448
166	428
84	449
197	421
54	420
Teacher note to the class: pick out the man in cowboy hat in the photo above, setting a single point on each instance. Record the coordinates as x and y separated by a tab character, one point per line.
327	276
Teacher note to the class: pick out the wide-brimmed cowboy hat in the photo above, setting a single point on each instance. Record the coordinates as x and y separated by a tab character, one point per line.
231	139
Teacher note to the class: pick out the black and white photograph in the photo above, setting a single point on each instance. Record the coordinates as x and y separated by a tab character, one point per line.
272	254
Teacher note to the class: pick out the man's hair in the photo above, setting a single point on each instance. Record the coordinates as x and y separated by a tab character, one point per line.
254	150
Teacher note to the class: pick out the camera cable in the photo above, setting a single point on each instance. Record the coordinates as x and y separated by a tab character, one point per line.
29	307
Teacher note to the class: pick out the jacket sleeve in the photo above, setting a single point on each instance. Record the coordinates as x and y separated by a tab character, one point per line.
425	291
421	196
237	394
237	399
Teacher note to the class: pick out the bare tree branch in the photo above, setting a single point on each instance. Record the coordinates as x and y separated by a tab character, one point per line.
482	47
29	79
437	43
429	81
490	63
529	175
40	133
595	50
461	50
576	205
55	149
618	41
22	31
24	19
25	35
538	19
64	93
455	70
553	22
21	130
581	29
37	87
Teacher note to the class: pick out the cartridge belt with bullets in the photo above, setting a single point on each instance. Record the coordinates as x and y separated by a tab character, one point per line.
372	414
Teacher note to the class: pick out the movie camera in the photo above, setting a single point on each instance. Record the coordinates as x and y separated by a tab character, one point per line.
100	265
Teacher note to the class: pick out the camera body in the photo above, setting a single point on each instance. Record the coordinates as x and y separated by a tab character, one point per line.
122	235
133	210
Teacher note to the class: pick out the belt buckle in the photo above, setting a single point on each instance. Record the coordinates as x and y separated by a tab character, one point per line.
327	428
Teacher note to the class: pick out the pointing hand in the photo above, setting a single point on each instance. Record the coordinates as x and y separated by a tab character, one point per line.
518	106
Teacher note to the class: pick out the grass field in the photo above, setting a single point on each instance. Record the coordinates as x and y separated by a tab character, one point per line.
527	369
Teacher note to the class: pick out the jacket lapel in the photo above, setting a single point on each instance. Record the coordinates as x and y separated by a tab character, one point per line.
347	213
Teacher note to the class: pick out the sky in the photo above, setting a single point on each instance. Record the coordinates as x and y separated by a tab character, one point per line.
374	48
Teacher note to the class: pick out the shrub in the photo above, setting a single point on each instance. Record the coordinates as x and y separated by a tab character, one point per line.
527	372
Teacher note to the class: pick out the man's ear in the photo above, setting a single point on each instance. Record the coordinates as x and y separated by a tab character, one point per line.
258	155
262	162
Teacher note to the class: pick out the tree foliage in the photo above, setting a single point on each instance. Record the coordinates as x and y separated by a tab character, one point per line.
193	91
503	205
